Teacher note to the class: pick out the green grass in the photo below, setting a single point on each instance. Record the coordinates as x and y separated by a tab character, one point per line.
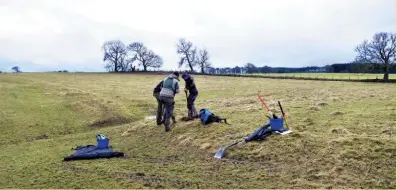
353	76
355	149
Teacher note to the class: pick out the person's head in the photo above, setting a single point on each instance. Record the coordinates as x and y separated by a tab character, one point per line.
176	73
185	75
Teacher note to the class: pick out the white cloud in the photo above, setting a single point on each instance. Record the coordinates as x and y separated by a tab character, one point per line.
69	33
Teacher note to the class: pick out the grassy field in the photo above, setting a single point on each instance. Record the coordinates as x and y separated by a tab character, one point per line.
344	133
355	76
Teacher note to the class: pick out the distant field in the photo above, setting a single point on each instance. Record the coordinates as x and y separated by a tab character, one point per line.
343	134
330	75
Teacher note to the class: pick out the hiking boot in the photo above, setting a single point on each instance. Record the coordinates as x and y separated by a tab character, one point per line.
167	129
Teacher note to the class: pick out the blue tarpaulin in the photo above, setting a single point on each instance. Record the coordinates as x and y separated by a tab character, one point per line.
92	152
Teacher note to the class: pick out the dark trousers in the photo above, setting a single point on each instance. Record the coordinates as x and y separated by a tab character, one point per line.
192	112
160	109
168	111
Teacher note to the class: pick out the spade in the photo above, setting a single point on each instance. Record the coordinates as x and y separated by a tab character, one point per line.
222	151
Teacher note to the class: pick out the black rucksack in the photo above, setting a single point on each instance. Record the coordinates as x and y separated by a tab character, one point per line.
207	117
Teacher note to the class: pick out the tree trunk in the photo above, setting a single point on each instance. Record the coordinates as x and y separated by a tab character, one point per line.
202	69
115	65
386	74
191	67
144	68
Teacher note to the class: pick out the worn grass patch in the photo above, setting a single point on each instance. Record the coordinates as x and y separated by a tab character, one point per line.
344	133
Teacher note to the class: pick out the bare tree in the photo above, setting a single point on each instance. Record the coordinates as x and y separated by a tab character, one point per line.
251	68
115	56
382	49
147	58
188	54
203	60
16	69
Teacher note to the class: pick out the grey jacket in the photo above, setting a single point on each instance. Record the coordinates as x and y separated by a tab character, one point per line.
170	86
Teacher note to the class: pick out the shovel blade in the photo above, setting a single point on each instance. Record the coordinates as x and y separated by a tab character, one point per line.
220	153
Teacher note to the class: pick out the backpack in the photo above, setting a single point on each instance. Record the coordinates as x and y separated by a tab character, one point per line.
207	117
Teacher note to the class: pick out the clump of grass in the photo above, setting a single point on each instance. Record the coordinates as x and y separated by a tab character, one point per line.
206	146
322	104
336	113
309	121
315	108
340	131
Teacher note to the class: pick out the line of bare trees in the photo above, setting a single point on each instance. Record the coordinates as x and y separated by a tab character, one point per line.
191	56
120	58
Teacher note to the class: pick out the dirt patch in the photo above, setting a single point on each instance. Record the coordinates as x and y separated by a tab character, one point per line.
66	132
340	131
75	169
113	121
43	136
315	108
185	118
336	113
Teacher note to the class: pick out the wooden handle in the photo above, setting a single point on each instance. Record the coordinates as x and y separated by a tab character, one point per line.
281	108
263	102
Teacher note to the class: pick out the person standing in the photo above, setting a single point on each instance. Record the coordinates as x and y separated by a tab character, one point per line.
167	94
190	86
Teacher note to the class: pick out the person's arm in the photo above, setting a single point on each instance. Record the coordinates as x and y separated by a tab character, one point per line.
158	85
176	88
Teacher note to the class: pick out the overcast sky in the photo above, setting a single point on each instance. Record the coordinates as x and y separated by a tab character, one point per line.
45	35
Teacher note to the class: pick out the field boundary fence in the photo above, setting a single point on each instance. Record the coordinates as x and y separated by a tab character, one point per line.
356	78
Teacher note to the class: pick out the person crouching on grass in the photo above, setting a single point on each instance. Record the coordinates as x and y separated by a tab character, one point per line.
167	94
